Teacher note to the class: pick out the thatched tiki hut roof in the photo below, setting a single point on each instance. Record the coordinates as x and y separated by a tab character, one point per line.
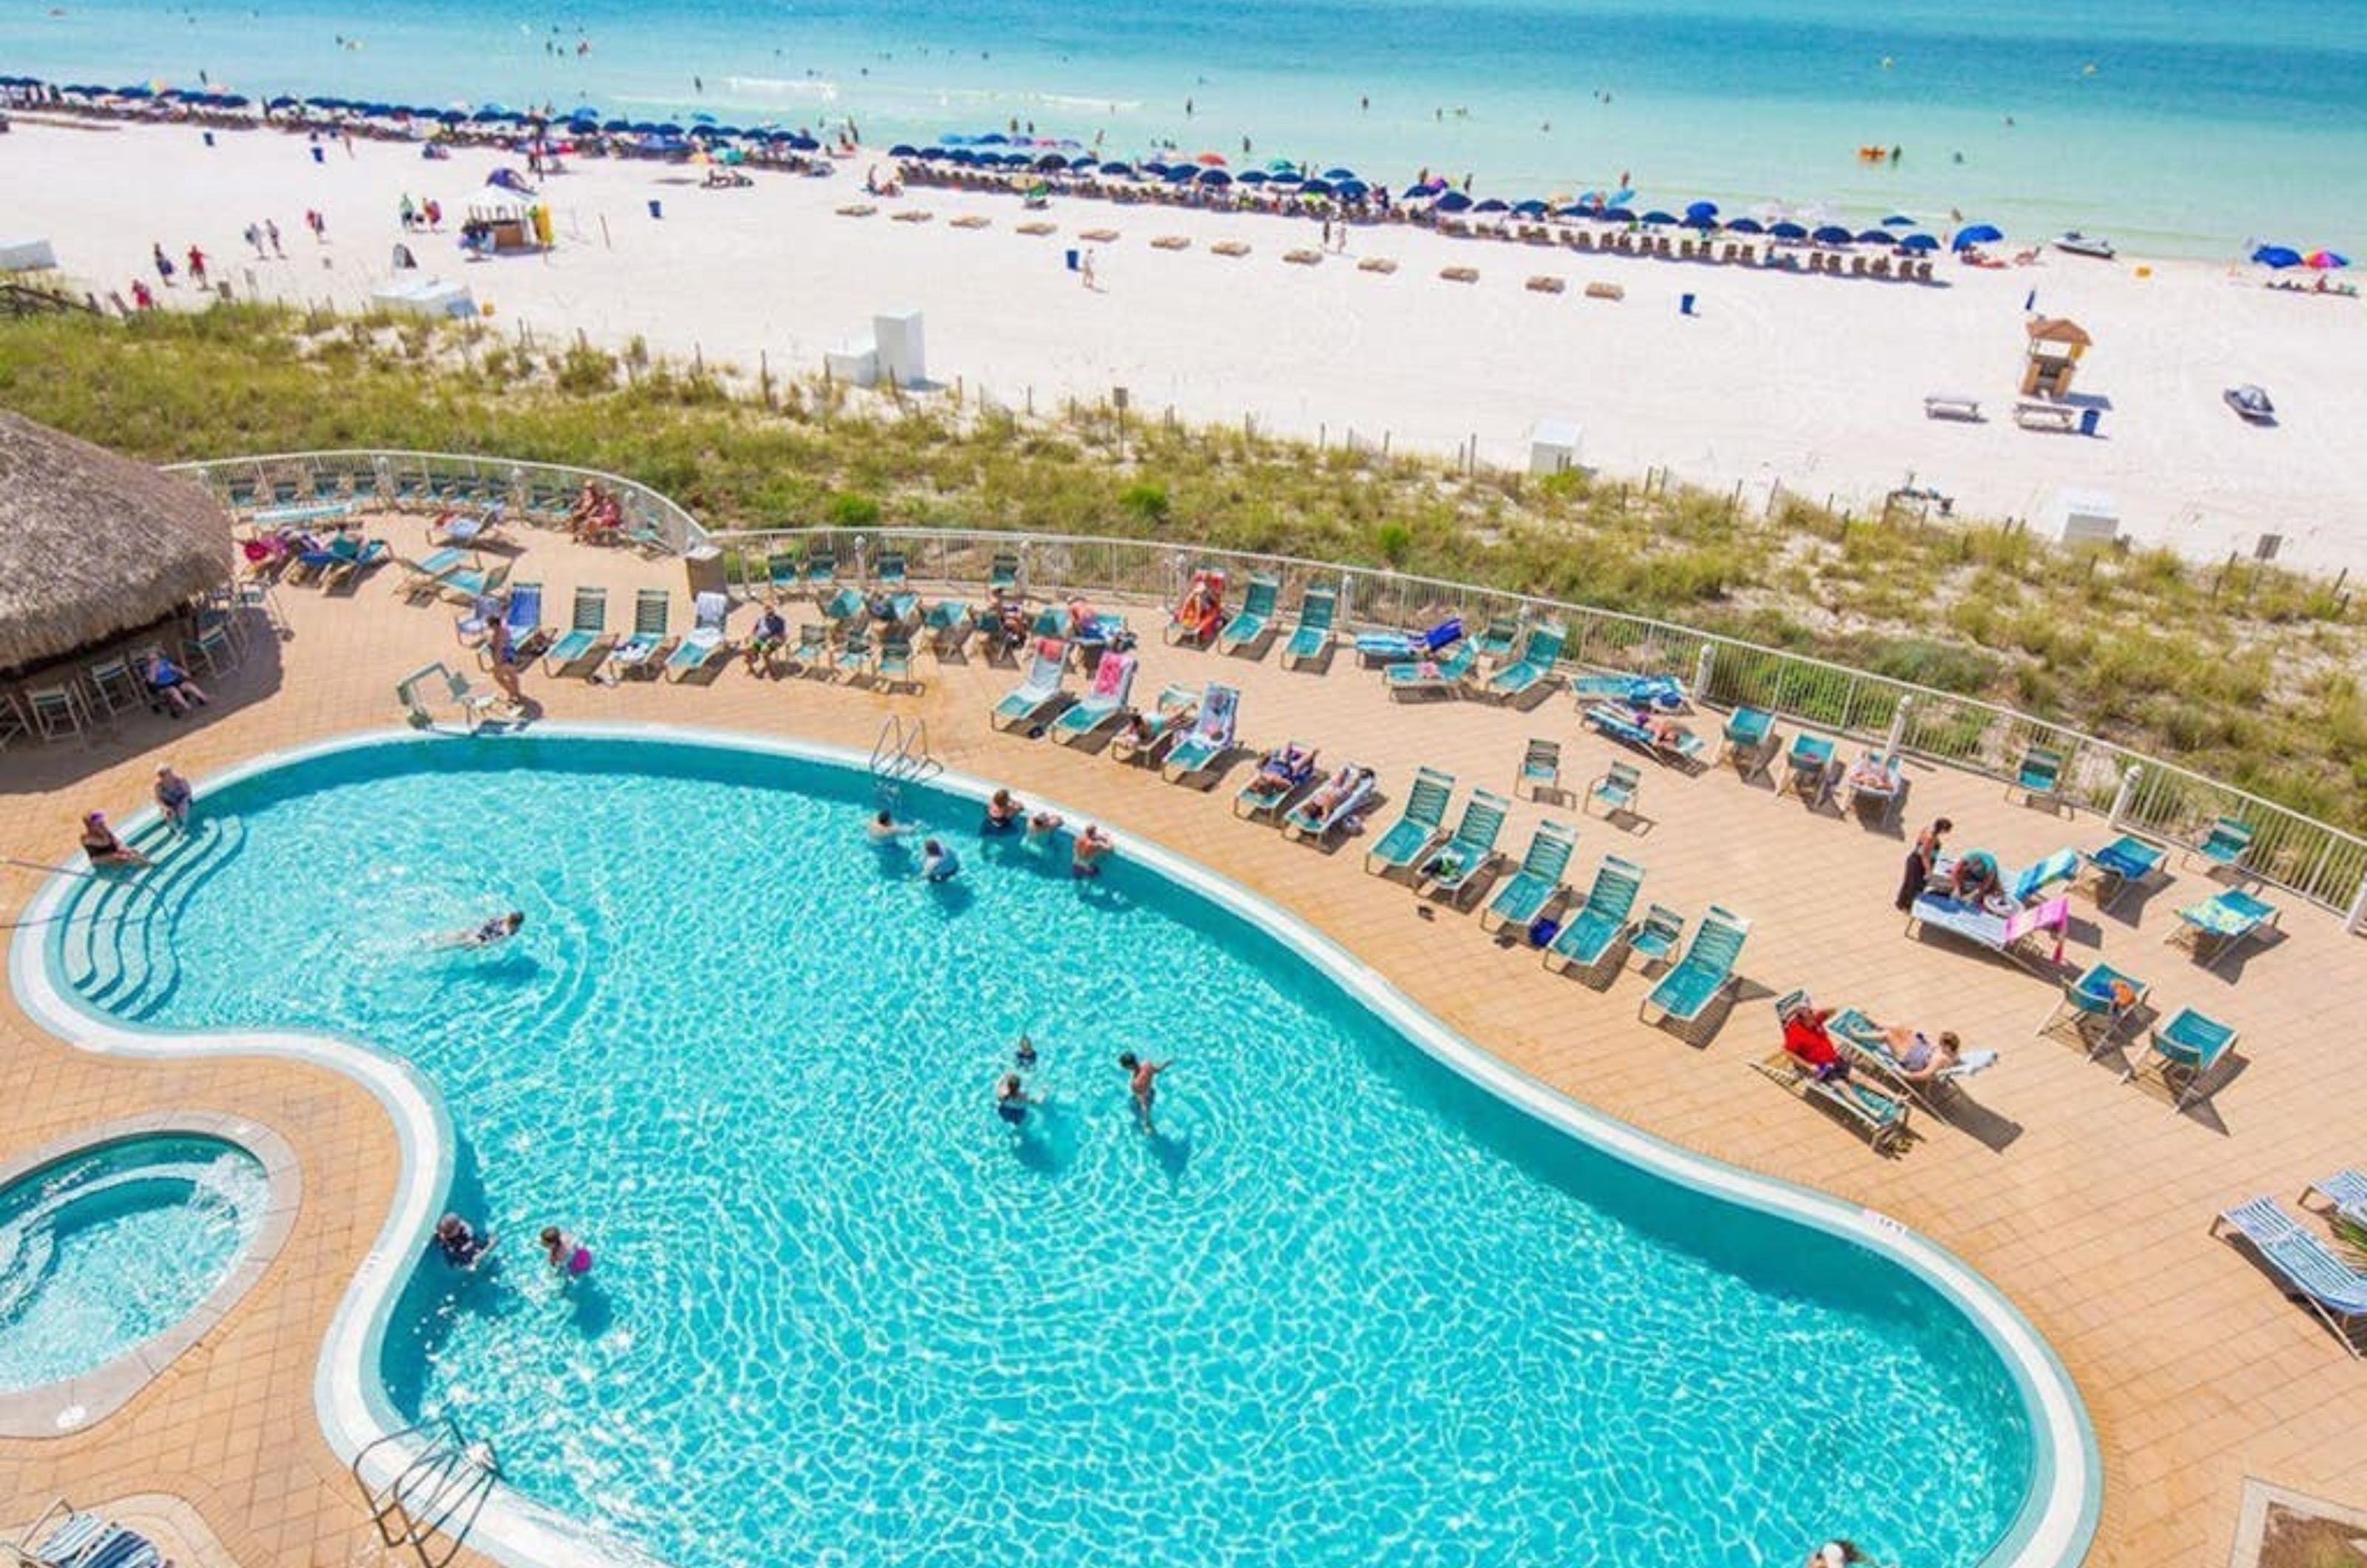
92	543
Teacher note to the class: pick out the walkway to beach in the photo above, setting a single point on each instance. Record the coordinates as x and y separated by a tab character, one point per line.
2085	1198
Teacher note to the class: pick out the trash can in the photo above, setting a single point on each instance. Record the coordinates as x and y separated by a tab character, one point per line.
657	208
1074	260
317	155
1684	304
210	138
2088	420
703	568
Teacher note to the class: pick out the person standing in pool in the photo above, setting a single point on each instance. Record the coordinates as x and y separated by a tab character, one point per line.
1142	1082
1026	1054
173	796
938	862
459	1243
1012	1100
885	829
565	1255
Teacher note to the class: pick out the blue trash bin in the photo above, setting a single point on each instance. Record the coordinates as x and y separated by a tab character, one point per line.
2088	420
1684	304
1075	260
318	156
657	208
210	138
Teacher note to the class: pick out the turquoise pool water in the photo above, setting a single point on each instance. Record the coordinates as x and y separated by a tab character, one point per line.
109	1247
1344	1308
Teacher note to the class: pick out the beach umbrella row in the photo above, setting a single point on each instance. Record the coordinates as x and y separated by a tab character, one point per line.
2283	256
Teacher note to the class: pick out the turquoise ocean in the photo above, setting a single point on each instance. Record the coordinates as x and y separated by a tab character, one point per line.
2177	127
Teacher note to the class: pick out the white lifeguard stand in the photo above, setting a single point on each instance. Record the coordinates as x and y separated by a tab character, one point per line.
2086	517
1553	445
903	356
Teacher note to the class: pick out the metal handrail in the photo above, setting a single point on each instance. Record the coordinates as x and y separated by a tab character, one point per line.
321	475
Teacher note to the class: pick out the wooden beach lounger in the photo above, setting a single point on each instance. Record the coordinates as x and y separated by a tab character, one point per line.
973	220
1229	248
1605	291
1099	236
1459	273
858	210
1171	242
1952	405
1303	258
1038	230
1381	265
1546	284
914	215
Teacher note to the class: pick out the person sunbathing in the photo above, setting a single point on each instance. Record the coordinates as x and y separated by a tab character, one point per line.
99	842
1808	1042
1919	1059
1335	795
587	503
1666	733
1279	769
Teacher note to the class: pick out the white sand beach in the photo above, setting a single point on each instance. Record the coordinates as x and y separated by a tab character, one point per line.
1814	382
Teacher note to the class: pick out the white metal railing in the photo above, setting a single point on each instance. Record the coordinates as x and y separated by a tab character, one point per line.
299	481
2173	803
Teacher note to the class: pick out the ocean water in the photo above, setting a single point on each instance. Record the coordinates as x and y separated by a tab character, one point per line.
2180	127
1339	1308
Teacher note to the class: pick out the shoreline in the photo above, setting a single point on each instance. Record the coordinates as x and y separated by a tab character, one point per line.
1807	381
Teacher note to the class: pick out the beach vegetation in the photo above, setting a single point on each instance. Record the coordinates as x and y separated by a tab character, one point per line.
2239	669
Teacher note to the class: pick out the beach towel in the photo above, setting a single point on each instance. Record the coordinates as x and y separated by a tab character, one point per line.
1112	678
1218	708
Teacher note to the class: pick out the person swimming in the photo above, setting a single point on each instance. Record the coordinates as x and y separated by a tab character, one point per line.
499	928
1142	1083
885	829
1025	1053
1011	1100
459	1243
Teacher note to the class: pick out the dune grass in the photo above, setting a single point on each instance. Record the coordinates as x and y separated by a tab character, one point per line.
2250	676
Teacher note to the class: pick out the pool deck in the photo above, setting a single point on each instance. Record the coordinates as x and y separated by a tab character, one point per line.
2085	1198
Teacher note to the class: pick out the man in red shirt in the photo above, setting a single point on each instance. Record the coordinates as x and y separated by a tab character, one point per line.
1811	1046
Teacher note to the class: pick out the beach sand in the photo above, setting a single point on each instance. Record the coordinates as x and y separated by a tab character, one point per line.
1813	383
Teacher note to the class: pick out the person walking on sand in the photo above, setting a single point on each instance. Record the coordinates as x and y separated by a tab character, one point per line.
163	264
271	233
501	652
253	236
197	266
1142	1083
1085	268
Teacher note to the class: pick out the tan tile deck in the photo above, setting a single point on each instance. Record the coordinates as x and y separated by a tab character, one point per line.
2090	1211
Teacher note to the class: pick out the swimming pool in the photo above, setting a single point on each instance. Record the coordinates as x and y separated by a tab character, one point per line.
105	1249
1347	1303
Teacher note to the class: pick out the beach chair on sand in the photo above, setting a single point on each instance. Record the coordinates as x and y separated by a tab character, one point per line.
1881	1115
586	636
2317	1273
1750	740
1589	934
1454	866
652	609
2040	777
1171	716
1277	781
2215	928
1211	740
1536	882
1330	808
1254	622
1104	703
1705	970
2182	1054
705	642
1043	690
1432	676
1671	747
1418	827
1312	636
1541	769
1662	694
1534	671
2225	847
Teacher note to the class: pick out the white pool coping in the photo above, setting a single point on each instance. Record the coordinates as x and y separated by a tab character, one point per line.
2053	1529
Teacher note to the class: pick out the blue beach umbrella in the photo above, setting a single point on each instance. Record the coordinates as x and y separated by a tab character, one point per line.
1419	193
1746	226
1875	237
1787	230
1898	220
1617	215
702	117
1335	175
903	149
617	127
666	128
1833	234
1918	242
1314	187
1574	209
1351	190
1979	234
1254	176
1118	171
1493	204
801	142
1051	163
963	156
231	100
1657	216
2277	256
1182	174
1696	212
993	139
1215	177
275	105
1453	201
1705	223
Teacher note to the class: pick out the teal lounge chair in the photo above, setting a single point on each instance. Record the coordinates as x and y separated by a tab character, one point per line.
65	1537
1040	692
1541	769
1171	716
523	616
853	655
1003	575
586	635
2345	1189
1867	1045
1496	641
2182	1054
1534	671
705	642
652	609
469	585
1884	1116
1750	740
1537	882
1621	786
1654	938
1432	676
1104	703
1454	866
947	625
821	571
782	574
1417	828
1672	747
2127	862
1211	738
1254	622
2217	927
2040	777
2225	847
1277	781
1597	926
424	579
1330	808
893	575
2100	1003
813	648
893	665
1810	770
1664	693
350	555
844	606
1312	636
1878	787
1703	974
2320	1275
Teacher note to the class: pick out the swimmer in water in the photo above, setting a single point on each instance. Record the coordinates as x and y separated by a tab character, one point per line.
939	862
1025	1054
885	829
564	1254
1011	1100
1142	1082
499	928
459	1243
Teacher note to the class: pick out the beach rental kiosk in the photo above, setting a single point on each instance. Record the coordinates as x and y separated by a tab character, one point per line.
512	221
2050	355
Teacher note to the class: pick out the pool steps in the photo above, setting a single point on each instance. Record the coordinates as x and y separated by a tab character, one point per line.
119	937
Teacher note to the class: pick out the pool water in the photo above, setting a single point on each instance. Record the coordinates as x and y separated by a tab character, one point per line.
1343	1307
106	1248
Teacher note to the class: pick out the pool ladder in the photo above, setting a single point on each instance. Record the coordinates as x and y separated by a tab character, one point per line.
898	757
443	1489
